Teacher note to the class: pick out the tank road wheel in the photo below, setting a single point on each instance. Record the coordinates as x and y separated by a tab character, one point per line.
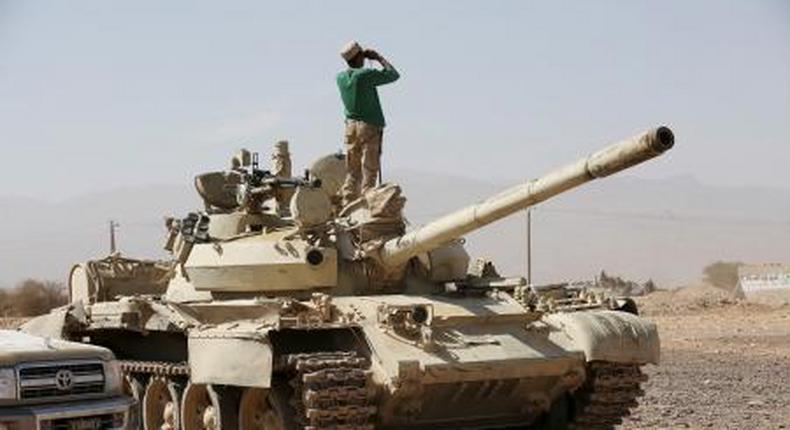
201	409
134	389
160	405
261	409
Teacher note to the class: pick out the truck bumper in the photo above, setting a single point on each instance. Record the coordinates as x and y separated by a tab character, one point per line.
104	414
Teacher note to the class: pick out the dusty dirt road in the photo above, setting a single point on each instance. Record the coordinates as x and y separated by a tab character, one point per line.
725	363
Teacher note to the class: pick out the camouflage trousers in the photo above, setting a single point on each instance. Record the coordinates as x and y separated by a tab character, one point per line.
363	153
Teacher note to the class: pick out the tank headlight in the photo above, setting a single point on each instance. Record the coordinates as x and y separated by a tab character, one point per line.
113	377
315	257
7	383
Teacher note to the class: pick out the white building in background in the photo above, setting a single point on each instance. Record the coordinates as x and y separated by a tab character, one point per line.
763	278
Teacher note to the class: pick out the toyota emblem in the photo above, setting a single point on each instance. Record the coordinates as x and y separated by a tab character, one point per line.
64	380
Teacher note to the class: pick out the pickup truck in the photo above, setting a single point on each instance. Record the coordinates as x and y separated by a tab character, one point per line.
50	384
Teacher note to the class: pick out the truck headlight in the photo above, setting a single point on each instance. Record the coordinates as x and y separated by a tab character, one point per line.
7	383
113	377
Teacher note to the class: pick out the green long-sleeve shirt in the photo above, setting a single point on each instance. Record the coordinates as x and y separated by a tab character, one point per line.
359	94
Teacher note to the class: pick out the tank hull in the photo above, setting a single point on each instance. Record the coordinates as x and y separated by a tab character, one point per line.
427	361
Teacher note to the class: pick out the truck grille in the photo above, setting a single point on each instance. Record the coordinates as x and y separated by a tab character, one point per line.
39	381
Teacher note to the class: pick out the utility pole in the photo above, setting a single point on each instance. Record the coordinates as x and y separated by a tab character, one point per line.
529	246
113	226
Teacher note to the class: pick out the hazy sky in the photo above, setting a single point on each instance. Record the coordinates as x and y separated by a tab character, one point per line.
99	94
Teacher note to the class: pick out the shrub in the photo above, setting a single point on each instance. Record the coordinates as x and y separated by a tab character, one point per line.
32	297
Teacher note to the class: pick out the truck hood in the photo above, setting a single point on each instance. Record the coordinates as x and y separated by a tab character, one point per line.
17	347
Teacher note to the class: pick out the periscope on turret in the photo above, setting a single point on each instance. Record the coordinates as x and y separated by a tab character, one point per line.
337	317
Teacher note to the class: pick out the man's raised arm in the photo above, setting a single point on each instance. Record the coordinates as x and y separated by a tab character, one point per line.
387	74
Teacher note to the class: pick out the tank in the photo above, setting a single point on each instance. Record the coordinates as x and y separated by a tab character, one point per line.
283	310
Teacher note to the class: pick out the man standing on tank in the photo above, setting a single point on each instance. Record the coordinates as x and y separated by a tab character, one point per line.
364	118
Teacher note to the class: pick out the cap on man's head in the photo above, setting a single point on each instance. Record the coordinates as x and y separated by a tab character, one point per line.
281	147
351	50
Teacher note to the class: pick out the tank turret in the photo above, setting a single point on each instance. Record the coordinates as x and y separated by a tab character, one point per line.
239	246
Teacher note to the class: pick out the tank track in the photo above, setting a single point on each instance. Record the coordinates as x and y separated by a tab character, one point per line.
332	391
154	368
608	396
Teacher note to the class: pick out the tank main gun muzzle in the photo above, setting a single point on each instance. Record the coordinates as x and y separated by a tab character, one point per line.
609	160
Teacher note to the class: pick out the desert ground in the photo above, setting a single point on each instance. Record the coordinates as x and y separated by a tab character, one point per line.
725	362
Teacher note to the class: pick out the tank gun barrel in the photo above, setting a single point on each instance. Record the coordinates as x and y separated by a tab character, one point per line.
609	160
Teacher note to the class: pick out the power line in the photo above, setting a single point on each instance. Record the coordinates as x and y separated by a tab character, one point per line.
113	226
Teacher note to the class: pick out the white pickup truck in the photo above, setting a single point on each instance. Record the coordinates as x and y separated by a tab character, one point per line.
48	384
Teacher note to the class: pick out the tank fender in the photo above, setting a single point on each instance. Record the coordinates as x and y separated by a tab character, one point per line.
614	336
223	357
